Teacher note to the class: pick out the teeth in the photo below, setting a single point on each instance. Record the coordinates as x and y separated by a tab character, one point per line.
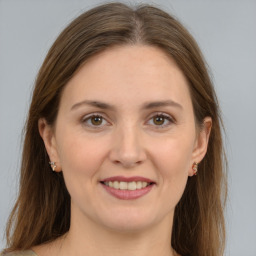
116	185
127	185
132	185
139	185
123	185
144	184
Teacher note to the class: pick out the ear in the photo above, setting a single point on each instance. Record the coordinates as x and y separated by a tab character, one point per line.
201	143
47	133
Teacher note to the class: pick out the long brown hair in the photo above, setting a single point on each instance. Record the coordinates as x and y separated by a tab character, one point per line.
42	210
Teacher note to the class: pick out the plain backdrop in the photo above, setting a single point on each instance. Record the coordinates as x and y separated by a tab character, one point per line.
226	33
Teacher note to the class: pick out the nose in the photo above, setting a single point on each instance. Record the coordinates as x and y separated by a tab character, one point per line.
127	149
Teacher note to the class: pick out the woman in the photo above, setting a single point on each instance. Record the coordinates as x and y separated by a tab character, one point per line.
125	115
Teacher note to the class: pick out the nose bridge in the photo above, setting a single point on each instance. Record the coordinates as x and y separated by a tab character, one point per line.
127	148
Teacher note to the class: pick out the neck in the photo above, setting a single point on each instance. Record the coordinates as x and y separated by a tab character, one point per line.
88	238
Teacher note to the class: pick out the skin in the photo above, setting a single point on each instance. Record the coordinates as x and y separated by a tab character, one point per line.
128	141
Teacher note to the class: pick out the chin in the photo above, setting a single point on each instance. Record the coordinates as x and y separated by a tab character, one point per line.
131	222
126	228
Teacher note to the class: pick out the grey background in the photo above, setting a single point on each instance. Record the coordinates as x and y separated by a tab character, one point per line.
226	33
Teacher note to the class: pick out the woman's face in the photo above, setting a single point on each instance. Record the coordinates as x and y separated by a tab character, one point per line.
126	121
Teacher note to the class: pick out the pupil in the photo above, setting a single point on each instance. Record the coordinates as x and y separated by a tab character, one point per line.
158	120
96	120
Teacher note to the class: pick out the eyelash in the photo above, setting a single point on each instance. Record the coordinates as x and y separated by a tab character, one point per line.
86	118
165	116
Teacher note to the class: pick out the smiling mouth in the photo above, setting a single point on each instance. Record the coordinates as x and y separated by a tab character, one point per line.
122	185
128	188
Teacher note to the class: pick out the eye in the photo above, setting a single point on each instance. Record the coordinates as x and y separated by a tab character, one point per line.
161	120
94	120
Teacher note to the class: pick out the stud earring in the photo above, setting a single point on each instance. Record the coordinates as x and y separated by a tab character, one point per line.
195	168
53	165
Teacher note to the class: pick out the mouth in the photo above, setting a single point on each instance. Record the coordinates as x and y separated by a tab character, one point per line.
122	185
127	188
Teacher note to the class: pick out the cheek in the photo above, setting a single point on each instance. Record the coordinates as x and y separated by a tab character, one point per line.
80	157
172	160
175	154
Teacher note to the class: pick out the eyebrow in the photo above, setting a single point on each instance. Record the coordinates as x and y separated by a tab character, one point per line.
147	105
165	103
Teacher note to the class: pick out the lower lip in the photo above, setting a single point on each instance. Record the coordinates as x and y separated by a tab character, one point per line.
127	194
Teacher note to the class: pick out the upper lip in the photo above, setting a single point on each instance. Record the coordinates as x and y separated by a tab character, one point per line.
127	179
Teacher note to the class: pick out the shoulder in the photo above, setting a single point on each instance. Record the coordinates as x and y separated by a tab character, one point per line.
19	253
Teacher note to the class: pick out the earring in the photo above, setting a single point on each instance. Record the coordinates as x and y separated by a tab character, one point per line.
195	168
53	165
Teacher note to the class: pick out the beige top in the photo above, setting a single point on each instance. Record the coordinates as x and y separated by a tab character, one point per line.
20	253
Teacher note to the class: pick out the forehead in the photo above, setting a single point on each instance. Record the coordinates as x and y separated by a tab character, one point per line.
128	74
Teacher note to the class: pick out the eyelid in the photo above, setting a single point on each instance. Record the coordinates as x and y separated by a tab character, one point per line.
94	114
168	117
